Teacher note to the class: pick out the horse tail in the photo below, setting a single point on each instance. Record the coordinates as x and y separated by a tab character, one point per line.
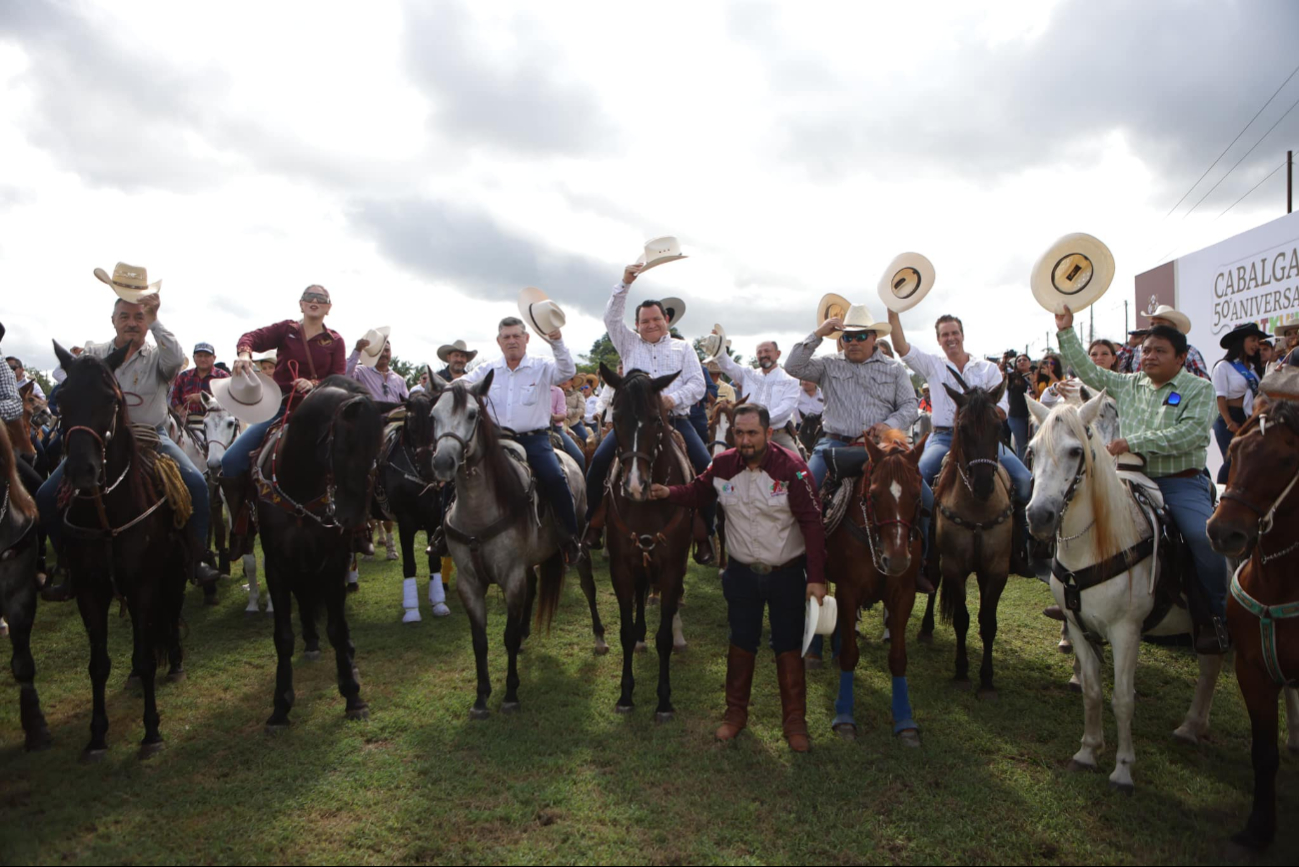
552	583
948	597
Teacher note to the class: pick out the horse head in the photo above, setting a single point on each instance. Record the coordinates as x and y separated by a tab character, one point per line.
721	424
94	414
417	432
457	422
346	427
1265	463
641	426
219	429
892	503
976	440
1064	451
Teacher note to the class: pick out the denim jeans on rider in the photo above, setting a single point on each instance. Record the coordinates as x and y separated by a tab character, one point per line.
1190	500
551	478
238	458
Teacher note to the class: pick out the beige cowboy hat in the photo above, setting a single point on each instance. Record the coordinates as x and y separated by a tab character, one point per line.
250	397
830	306
906	281
821	620
1074	271
378	338
1180	320
458	346
269	355
674	309
715	344
658	251
540	313
130	282
1283	330
856	317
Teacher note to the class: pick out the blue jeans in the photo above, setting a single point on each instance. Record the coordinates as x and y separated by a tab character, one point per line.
1224	437
608	450
782	593
238	458
816	463
1019	429
52	521
571	447
580	431
1190	500
936	449
554	484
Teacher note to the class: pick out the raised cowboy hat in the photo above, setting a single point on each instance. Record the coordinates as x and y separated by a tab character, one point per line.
821	619
458	346
250	397
906	281
1074	271
378	338
856	317
540	313
1240	332
1180	320
658	251
715	344
674	309
130	282
830	306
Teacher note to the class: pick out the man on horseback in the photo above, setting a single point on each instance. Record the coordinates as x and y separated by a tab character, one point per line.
1165	415
958	370
456	356
519	403
191	385
650	347
146	376
384	385
777	547
769	386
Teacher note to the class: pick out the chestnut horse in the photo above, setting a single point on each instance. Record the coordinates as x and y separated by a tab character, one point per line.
1257	518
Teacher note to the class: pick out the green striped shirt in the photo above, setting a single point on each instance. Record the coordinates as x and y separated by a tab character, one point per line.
1171	438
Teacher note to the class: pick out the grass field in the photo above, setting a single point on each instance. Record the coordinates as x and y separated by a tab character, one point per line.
569	781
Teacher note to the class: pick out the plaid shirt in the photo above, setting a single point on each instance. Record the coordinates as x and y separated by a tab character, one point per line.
188	382
668	355
1130	361
857	396
11	405
1172	439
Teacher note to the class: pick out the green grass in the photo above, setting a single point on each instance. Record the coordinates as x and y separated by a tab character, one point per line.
569	781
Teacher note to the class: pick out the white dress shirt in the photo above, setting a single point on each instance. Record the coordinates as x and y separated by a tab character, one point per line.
936	370
146	376
519	399
775	389
592	407
809	404
657	359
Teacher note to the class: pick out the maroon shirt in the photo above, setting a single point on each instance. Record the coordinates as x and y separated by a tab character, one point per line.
326	348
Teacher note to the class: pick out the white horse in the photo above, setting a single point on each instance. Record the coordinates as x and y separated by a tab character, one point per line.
1079	497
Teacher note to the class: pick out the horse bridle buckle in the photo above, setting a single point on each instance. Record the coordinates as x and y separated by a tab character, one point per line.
1072	598
646	542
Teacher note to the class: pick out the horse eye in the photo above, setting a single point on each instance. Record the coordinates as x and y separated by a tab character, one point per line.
1075	452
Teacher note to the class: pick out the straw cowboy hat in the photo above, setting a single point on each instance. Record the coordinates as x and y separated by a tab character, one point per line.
906	281
658	251
674	309
378	338
830	306
1180	320
821	619
250	397
715	344
130	282
540	313
459	346
1283	330
856	317
1074	271
269	355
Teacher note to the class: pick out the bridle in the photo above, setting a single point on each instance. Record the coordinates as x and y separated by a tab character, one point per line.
466	442
643	541
874	528
1267	516
1072	490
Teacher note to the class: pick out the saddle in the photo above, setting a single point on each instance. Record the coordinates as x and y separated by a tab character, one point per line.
537	504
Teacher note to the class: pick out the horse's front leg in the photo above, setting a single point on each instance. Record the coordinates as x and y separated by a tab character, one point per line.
519	599
144	664
1089	674
627	633
473	598
1196	724
20	613
1292	718
989	596
340	637
93	602
1125	641
277	586
899	612
308	605
846	595
1261	695
670	600
926	634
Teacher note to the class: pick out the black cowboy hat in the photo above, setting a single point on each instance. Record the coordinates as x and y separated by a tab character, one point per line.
1240	332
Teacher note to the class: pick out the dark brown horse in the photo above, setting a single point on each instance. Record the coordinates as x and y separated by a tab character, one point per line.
1258	519
121	537
973	530
648	539
876	552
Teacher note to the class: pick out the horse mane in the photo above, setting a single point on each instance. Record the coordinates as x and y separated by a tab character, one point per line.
19	499
1286	412
494	455
636	386
417	422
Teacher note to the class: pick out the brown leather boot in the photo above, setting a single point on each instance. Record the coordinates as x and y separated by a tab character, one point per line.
739	683
793	700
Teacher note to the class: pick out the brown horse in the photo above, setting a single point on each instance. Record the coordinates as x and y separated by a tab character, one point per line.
648	539
877	552
1257	519
721	436
973	530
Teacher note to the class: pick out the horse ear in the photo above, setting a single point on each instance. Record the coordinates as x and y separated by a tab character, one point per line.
65	358
741	398
662	382
873	451
997	392
437	383
957	397
609	376
1039	411
917	450
116	357
1085	393
1091	410
484	385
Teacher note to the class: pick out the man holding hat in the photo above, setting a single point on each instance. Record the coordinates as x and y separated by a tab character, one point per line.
725	391
146	374
186	394
370	368
769	386
777	561
1130	352
1287	338
456	356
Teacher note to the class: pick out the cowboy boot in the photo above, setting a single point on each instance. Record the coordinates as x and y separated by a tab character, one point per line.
593	538
739	683
1019	562
60	592
704	555
1211	638
437	543
793	700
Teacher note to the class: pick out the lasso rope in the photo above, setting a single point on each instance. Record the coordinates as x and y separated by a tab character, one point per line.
167	471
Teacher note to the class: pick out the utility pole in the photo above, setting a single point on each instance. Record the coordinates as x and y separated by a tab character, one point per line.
1048	341
1091	324
1125	320
1289	182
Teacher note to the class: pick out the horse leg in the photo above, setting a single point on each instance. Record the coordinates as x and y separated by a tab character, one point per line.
307	611
518	607
640	621
1260	694
144	663
20	612
409	581
678	632
474	601
219	529
1089	672
1196	724
926	635
1125	639
528	600
277	585
344	651
844	724
1292	718
899	612
627	633
989	596
93	604
954	586
663	643
354	575
588	588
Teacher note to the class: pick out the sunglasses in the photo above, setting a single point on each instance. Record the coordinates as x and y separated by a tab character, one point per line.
315	298
857	336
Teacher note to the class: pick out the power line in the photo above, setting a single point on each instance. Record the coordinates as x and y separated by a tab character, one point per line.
1251	189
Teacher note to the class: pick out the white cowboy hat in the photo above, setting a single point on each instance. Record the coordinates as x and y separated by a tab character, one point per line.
674	309
250	397
1075	271
1283	330
268	355
715	344
130	282
458	346
859	318
906	281
658	251
540	313
1180	320
378	338
821	620
830	306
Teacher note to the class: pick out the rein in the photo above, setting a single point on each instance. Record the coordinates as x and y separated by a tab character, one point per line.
870	532
645	542
1267	516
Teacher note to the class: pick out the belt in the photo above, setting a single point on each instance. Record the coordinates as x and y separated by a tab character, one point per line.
764	569
1184	474
527	433
841	438
942	430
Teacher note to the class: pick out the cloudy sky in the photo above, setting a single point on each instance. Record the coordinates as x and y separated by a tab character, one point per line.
427	160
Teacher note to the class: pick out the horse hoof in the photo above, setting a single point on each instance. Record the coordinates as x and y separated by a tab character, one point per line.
479	713
640	647
93	757
148	751
909	738
813	663
310	655
961	683
623	708
846	731
601	649
986	695
176	676
132	682
252	611
1078	767
273	725
663	716
358	713
1064	647
40	742
209	600
1123	788
1075	686
510	707
1186	736
440	609
925	638
679	648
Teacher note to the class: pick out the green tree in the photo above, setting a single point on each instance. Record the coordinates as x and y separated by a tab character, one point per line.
41	379
408	370
601	351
